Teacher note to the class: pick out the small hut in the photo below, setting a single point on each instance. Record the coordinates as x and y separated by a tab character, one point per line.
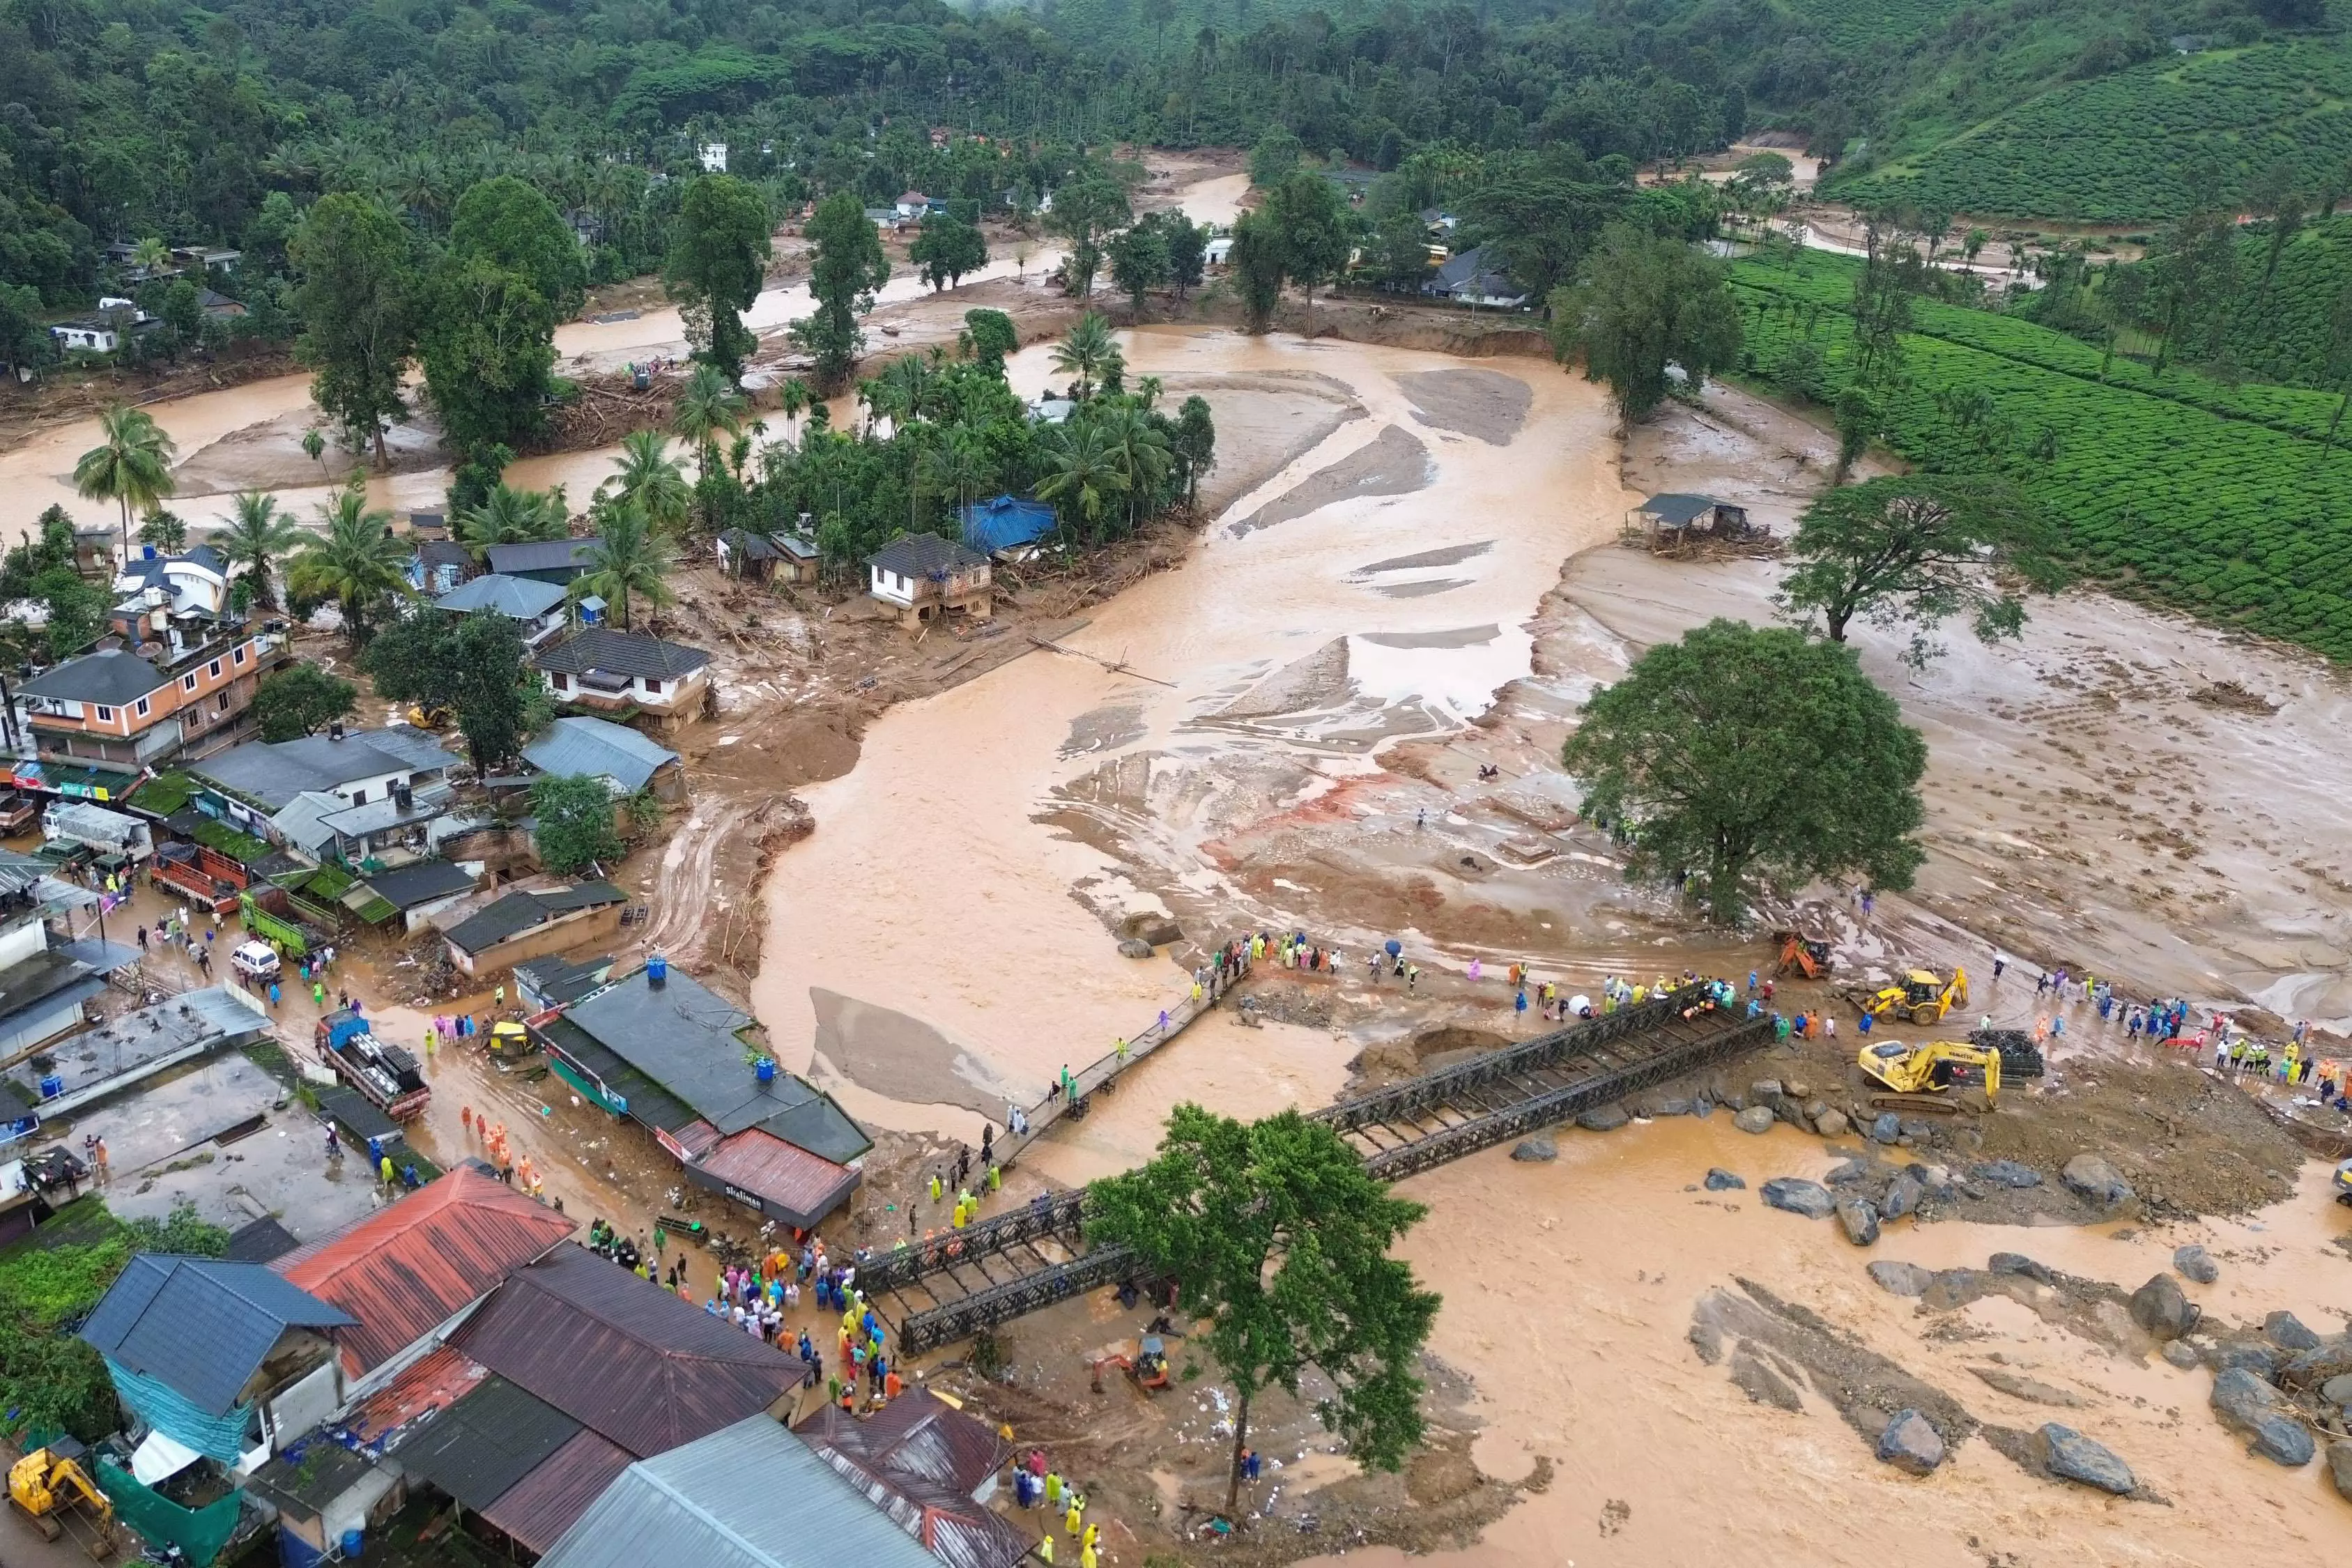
1670	519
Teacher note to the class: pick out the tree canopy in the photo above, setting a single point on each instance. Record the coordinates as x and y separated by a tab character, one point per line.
1646	301
1739	754
301	699
719	254
1278	1243
575	824
848	271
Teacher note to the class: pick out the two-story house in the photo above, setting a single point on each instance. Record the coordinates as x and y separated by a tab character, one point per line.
541	609
251	784
922	575
173	677
607	671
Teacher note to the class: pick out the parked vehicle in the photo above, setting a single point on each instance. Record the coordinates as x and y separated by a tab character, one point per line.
387	1076
206	876
257	962
68	823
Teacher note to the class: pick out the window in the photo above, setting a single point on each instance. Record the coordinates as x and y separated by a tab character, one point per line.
214	669
563	683
188	681
359	796
143	708
106	715
653	688
221	702
239	654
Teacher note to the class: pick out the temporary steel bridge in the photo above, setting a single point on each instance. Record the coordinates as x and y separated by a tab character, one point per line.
958	1283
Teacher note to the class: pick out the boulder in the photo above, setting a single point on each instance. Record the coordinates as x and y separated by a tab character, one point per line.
1702	1106
1763	1091
2007	1174
1156	928
1755	1118
2016	1263
2247	1356
1911	1443
1831	1123
1798	1195
1669	1105
1604	1119
1846	1173
2286	1331
1796	1089
2339	1468
1886	1128
1719	1180
1900	1278
2246	1403
2180	1355
2195	1263
1935	1178
2337	1390
2091	1179
2070	1456
1134	947
1902	1197
2160	1308
1861	1221
1536	1150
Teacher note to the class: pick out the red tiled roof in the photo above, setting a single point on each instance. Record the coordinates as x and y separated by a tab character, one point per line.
621	1356
434	1382
538	1509
409	1268
804	1186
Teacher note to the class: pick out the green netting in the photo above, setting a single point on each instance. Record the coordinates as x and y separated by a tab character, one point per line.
200	1532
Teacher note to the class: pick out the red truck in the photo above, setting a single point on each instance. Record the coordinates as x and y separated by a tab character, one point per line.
206	876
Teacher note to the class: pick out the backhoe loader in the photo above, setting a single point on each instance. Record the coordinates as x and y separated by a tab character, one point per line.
1922	997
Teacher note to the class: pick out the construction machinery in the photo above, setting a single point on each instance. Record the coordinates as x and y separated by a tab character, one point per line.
1922	997
48	1483
1144	1361
509	1041
1800	954
2344	1183
1931	1068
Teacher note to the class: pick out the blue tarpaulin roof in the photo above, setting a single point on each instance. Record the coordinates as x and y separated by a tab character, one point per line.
992	525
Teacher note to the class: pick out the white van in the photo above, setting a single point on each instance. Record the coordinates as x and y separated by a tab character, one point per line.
256	960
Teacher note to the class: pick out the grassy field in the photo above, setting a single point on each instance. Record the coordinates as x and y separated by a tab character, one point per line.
2178	490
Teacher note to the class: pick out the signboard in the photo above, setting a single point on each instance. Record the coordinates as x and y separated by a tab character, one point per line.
749	1200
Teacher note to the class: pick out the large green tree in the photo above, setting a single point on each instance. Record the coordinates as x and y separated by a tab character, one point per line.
1913	552
1256	262
356	287
1279	1243
1646	302
1138	263
486	326
355	562
472	664
1741	752
849	270
257	537
628	561
720	245
131	466
302	701
574	818
1086	212
946	249
1314	229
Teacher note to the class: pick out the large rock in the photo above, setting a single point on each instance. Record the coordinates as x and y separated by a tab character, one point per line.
1798	1195
1702	1106
2091	1179
2024	1267
1799	1089
2180	1355
1900	1278
1134	947
2286	1331
2339	1468
2007	1174
2247	1356
1846	1173
1667	1105
2337	1390
1831	1123
1763	1091
1886	1129
2070	1456
1755	1118
1902	1196
1719	1180
2246	1403
1861	1221
1604	1119
1911	1443
2195	1263
2160	1308
1155	929
1536	1150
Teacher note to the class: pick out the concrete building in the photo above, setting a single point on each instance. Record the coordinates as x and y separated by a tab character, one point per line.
922	576
625	673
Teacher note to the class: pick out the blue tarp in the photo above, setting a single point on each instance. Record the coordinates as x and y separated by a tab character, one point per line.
992	525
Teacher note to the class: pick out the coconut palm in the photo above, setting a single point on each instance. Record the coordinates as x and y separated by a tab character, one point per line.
1082	353
1086	472
649	479
256	537
356	561
150	254
131	466
706	407
509	516
628	558
913	386
795	399
957	469
1142	454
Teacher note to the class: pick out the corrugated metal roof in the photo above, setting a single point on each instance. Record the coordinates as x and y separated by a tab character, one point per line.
622	1356
404	1270
258	1241
615	652
541	554
792	1179
484	1444
199	1326
747	1496
434	1382
920	1460
520	911
648	1101
538	1509
518	598
597	748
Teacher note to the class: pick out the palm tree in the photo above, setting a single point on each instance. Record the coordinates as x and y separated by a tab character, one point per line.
1083	352
314	447
707	406
795	399
627	558
914	388
957	469
509	516
150	254
257	534
356	561
131	466
1142	453
649	480
1086	470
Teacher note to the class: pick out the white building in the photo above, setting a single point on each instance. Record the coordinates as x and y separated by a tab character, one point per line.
89	337
714	157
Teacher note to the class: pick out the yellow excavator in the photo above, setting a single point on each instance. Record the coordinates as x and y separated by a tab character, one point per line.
1932	1068
1921	996
47	1482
